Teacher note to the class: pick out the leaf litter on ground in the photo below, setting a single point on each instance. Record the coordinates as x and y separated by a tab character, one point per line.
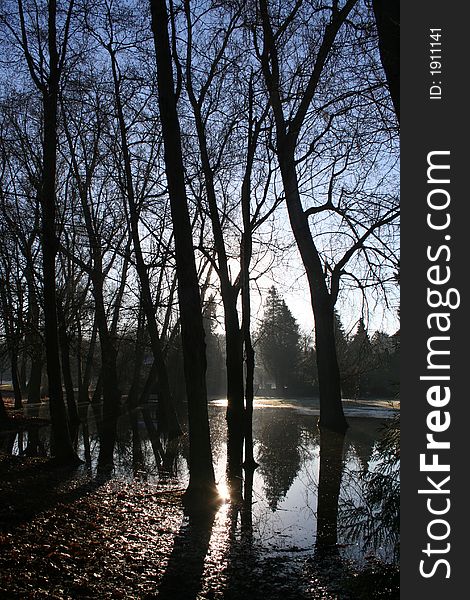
65	534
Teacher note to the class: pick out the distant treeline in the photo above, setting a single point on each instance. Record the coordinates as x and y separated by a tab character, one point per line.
285	359
369	364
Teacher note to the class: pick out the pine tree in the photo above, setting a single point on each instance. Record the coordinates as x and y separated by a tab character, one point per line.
342	348
360	361
279	342
215	374
384	379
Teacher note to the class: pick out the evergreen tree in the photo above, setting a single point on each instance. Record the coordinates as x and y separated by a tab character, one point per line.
279	455
279	342
384	379
215	374
361	362
308	374
342	348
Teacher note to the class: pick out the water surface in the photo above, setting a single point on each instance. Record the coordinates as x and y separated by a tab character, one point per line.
286	500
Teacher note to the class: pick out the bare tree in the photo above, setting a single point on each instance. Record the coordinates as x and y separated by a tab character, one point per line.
20	185
292	88
11	309
217	85
202	481
45	63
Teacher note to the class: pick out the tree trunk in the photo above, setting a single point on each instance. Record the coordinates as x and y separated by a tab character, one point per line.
15	380
34	341
249	461
32	446
154	436
107	380
139	352
229	293
11	342
84	384
138	462
202	480
64	343
62	446
168	414
83	410
249	398
98	391
387	18
149	382
287	133
35	377
3	410
235	394
36	351
22	373
331	408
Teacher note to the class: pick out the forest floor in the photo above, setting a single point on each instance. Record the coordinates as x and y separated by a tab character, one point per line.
65	534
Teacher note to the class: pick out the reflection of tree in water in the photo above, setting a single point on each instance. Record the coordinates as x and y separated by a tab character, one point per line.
347	513
279	455
218	427
329	485
361	439
165	448
34	445
369	511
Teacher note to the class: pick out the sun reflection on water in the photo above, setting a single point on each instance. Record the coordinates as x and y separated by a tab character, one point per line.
223	489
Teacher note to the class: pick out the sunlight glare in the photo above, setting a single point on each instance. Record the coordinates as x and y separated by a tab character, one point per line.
223	490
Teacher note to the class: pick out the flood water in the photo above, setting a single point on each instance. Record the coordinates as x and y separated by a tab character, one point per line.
290	501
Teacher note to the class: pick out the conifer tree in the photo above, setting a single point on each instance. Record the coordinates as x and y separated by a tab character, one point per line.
279	341
360	362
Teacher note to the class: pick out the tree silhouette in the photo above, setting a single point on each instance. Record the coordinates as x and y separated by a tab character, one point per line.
279	455
202	480
360	362
279	341
306	91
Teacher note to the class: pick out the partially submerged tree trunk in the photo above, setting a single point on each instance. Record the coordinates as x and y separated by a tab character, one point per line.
15	379
202	481
34	341
46	74
63	448
85	378
74	419
35	378
331	408
35	350
3	410
229	291
108	380
83	411
246	254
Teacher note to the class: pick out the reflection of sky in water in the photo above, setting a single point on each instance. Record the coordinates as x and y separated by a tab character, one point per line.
285	483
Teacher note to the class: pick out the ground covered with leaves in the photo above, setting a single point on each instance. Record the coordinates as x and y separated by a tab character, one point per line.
65	534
